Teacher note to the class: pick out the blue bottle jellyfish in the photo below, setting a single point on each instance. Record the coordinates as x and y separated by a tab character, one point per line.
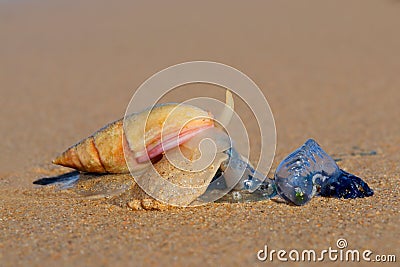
310	171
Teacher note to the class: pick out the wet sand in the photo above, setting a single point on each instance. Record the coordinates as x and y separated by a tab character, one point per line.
330	71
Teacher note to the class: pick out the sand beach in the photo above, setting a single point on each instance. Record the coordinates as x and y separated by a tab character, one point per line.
329	70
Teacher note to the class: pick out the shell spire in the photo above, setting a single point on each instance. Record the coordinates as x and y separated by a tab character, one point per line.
101	152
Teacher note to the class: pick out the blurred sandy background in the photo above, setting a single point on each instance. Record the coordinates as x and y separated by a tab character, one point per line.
329	69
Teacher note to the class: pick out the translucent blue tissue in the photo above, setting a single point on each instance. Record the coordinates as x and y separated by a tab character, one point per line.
310	171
